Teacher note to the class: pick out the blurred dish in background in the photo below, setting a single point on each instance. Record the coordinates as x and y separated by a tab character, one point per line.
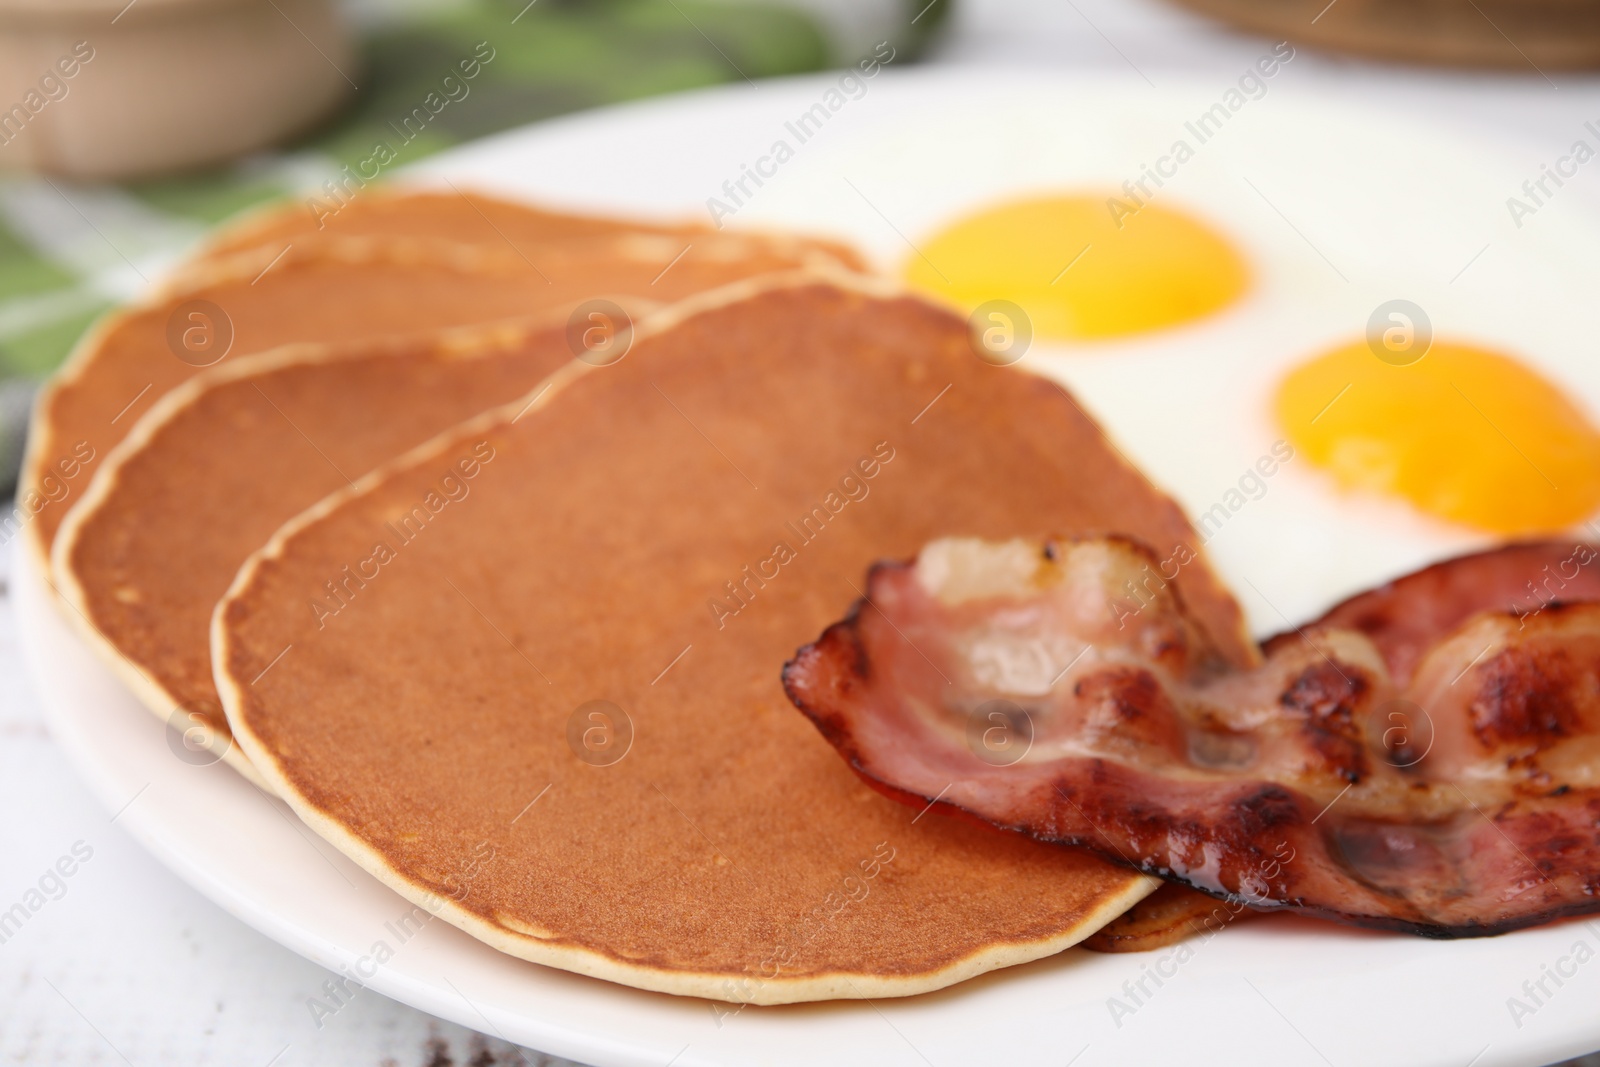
110	89
1509	34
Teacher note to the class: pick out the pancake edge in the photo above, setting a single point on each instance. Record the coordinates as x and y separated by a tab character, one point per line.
34	458
464	342
248	228
44	435
245	230
707	985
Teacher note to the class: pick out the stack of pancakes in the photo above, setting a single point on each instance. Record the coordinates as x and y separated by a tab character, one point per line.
480	534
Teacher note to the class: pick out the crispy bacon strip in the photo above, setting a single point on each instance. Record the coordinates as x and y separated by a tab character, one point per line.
1406	616
1426	758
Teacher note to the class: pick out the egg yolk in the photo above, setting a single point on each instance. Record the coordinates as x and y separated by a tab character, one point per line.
1465	434
1077	273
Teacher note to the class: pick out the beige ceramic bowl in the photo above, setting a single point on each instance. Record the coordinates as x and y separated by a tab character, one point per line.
1516	35
108	89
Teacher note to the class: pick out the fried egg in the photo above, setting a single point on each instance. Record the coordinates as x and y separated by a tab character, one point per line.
1189	332
1467	434
1078	268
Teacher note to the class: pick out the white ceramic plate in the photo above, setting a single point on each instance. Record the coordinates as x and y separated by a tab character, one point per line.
1339	211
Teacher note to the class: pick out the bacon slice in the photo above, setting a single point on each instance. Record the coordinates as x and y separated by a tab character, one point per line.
1425	758
1404	617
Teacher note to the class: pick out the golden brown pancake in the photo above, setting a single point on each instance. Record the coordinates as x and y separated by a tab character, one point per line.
1171	914
222	461
337	290
660	535
444	214
144	556
536	238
